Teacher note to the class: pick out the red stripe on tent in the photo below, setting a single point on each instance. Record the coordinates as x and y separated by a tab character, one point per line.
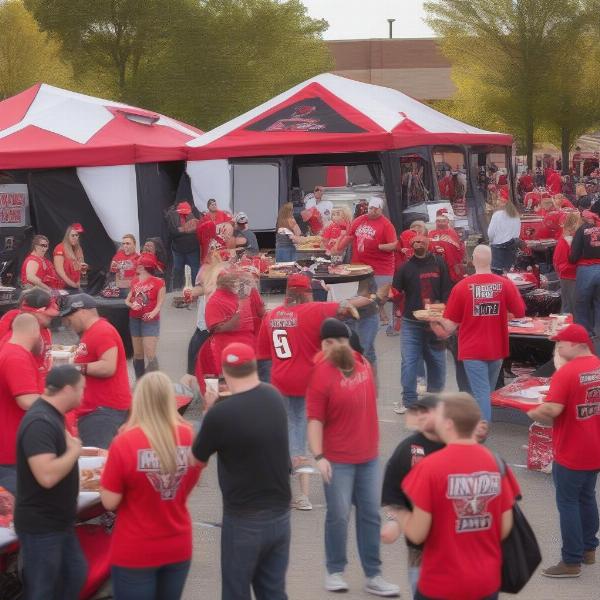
12	110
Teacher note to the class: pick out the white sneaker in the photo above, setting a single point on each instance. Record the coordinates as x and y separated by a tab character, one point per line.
334	582
378	586
398	408
303	503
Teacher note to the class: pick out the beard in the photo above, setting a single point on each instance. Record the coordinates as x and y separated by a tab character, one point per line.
420	252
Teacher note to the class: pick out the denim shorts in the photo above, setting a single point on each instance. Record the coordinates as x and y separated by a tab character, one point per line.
141	328
296	414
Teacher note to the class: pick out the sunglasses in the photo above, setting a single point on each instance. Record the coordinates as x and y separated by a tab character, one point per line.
43	245
318	189
74	234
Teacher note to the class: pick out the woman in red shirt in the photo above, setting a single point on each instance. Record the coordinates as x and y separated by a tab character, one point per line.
341	218
145	298
37	270
343	434
124	263
148	477
68	258
155	246
565	270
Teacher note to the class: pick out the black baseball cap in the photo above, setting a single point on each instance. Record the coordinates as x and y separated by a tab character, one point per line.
61	376
77	302
427	402
334	328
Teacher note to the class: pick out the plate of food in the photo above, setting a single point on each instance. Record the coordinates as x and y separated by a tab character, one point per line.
90	470
430	312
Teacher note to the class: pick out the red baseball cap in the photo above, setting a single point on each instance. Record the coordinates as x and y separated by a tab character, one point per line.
78	227
576	334
297	280
184	208
442	212
237	354
147	260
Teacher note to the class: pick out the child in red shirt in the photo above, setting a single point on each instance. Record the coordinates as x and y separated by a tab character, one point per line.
566	270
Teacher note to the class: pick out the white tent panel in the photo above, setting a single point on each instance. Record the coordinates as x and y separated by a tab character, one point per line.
256	192
210	179
113	194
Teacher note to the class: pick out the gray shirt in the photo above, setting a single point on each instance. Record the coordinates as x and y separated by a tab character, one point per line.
250	237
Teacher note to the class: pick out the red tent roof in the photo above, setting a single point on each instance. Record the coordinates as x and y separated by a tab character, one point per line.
332	114
47	127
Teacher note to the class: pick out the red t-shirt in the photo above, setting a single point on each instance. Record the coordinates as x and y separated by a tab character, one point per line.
315	222
111	392
332	233
290	338
576	435
368	234
461	487
45	272
217	217
208	239
71	267
480	305
19	375
449	246
145	295
126	265
347	407
153	525
560	260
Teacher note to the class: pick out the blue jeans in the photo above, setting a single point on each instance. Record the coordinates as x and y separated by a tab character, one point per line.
296	414
503	257
98	428
366	328
577	510
285	253
417	344
359	485
179	261
587	298
157	583
8	478
483	376
255	552
54	567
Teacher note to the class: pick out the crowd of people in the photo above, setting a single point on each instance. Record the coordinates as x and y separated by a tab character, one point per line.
298	396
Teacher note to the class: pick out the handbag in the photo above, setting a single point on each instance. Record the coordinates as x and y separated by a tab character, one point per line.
521	554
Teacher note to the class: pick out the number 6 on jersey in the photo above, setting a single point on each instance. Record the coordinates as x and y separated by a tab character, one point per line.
281	344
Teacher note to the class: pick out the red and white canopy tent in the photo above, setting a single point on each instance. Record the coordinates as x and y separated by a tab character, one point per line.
64	145
326	115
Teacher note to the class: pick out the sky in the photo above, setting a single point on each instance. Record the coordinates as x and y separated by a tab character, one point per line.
353	19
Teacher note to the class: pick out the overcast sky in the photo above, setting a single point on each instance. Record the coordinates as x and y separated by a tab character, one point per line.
352	19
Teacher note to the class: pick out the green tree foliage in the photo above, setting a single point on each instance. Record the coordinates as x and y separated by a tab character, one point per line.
508	62
27	56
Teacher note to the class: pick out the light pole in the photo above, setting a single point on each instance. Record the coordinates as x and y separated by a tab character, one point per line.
391	22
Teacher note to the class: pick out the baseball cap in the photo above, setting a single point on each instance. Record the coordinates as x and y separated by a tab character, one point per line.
419	238
297	280
426	401
39	301
241	217
184	208
237	354
78	227
61	376
77	302
576	334
147	260
443	212
376	203
334	328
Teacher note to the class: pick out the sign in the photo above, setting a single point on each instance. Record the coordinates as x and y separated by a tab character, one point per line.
14	205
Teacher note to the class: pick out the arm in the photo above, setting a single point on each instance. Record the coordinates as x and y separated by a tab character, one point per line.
59	265
388	247
315	443
49	469
546	412
416	524
105	366
128	299
443	328
576	246
507	523
110	500
159	302
492	228
26	400
31	274
230	325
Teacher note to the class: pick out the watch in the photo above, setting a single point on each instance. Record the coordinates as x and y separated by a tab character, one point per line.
318	457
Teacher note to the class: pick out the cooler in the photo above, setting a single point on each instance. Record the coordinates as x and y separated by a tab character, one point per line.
539	450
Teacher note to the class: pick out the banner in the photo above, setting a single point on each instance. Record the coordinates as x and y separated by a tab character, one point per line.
14	205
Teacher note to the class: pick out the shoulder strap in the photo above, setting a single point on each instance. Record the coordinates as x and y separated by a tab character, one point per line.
500	463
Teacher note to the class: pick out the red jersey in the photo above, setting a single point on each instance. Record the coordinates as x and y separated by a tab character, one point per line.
404	250
144	296
554	183
153	515
368	234
290	338
347	407
450	247
72	267
125	265
461	487
45	272
560	260
217	217
315	222
526	183
111	392
576	436
43	358
19	375
208	239
332	233
480	305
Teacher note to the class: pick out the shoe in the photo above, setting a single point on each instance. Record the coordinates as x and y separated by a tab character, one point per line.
398	408
378	586
303	503
562	570
334	582
589	557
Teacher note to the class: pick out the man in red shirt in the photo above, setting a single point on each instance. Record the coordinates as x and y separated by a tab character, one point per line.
479	306
572	405
20	386
462	509
100	356
216	215
445	241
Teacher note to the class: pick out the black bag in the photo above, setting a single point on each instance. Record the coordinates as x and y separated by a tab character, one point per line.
521	554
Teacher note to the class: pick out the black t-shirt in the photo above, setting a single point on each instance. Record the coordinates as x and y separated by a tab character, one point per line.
37	509
249	433
408	453
586	244
420	279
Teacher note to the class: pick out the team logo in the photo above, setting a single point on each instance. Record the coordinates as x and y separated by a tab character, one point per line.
166	484
417	454
470	495
486	299
591	407
81	349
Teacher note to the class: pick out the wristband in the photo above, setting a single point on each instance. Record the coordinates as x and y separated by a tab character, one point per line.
318	457
82	368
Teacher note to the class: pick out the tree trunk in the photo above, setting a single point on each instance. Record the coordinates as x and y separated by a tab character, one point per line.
529	143
565	147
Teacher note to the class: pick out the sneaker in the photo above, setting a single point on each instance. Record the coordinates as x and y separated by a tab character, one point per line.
398	408
334	582
562	570
589	557
378	586
303	503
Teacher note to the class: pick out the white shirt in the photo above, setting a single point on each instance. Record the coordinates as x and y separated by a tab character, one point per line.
503	228
325	207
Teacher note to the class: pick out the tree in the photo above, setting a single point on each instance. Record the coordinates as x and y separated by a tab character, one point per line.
502	47
27	56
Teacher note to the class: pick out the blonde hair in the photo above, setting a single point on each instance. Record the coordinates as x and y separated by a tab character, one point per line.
154	411
131	237
511	209
345	211
73	252
286	212
572	222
